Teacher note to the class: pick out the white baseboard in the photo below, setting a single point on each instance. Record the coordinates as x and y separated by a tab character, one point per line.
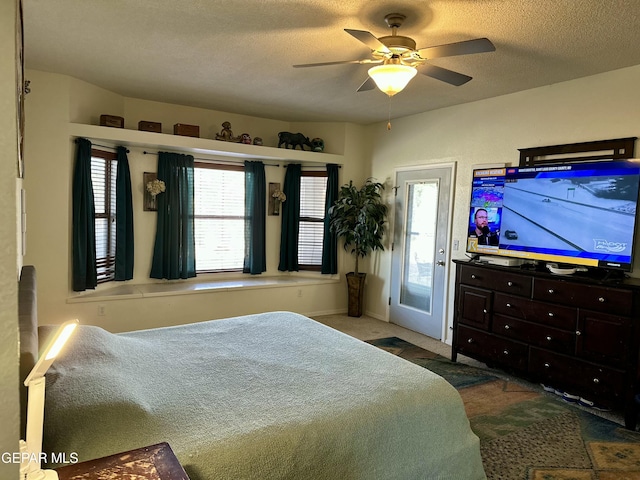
344	312
376	316
340	311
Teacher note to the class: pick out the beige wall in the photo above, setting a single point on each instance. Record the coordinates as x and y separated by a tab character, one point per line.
600	107
485	132
10	260
58	100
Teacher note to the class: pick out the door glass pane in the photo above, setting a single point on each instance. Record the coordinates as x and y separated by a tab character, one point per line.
419	245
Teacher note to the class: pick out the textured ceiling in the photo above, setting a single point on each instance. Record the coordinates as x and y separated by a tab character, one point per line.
237	56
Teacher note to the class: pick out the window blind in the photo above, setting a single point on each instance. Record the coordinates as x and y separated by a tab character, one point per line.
103	178
219	217
313	189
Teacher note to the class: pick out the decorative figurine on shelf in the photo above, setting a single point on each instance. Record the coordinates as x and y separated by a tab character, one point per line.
257	141
245	138
317	144
226	135
293	139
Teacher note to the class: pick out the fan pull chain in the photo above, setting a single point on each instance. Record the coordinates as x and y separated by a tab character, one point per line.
389	121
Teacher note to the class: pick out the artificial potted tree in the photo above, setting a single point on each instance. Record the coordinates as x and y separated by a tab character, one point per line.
358	216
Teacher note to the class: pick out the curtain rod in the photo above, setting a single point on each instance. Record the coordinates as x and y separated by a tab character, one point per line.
306	165
231	162
102	146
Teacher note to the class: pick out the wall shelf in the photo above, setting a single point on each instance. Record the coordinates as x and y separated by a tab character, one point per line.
201	146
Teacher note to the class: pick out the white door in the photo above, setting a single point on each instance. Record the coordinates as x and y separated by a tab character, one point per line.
420	241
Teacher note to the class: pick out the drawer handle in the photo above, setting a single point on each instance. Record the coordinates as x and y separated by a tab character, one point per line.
551	314
484	310
506	352
546	365
578	332
473	276
507	327
596	380
601	299
508	305
509	284
548	338
470	340
551	290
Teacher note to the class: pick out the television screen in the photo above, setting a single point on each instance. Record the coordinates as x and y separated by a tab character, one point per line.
580	213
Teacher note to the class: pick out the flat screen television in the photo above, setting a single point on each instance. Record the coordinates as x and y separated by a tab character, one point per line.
579	213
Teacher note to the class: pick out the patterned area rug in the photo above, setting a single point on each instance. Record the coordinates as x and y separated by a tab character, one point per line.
526	434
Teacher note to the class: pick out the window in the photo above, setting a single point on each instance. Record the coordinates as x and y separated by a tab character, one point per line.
103	178
219	217
219	220
313	189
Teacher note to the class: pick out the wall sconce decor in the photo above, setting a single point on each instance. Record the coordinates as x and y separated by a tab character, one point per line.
276	197
152	188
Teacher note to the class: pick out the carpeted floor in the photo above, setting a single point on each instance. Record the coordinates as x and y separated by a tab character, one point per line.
527	435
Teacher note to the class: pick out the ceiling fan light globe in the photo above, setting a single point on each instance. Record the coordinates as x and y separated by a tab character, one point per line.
392	79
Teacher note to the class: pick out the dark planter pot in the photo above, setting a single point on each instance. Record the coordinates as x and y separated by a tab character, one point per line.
355	286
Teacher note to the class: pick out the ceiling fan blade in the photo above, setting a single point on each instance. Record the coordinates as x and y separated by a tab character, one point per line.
368	84
448	76
328	63
479	45
368	39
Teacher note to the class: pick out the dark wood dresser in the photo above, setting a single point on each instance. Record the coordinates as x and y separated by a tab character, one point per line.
576	334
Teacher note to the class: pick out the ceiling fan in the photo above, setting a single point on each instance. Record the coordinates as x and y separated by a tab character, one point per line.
398	59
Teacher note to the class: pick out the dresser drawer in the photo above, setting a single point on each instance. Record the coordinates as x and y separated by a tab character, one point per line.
514	283
474	306
556	316
603	338
561	341
591	297
575	376
492	349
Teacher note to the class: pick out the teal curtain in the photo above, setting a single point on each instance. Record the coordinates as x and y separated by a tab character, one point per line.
290	220
174	250
330	238
255	191
124	219
85	274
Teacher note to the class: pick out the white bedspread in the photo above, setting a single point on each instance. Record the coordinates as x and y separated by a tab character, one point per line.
269	396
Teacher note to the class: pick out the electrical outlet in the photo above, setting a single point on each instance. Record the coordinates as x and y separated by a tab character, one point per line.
102	310
299	293
456	245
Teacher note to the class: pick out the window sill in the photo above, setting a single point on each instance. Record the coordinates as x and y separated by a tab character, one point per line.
125	291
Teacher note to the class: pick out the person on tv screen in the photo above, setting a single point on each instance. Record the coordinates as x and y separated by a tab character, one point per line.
481	229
